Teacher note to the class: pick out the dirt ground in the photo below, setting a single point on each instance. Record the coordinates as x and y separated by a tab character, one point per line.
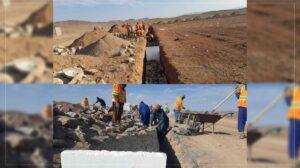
271	38
204	51
222	149
24	46
271	151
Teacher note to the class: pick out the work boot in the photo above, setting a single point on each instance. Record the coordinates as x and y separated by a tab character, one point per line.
242	135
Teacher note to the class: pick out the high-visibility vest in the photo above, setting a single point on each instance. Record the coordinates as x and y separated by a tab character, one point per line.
122	98
85	102
47	112
294	110
178	104
116	92
242	101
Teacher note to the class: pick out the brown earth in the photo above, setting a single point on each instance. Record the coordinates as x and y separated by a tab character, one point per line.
271	56
88	38
204	51
118	29
107	46
29	12
110	69
203	31
222	149
270	151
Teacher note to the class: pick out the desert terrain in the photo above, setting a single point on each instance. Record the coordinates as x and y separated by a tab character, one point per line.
197	48
26	33
271	150
272	37
224	148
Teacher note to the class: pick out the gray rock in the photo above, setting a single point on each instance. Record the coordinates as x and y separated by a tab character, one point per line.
72	114
27	130
68	122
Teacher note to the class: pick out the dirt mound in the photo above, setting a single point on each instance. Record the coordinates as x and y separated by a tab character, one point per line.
109	45
42	17
88	38
118	29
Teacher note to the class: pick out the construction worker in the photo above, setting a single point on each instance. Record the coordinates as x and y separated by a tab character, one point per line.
178	106
47	112
292	97
144	111
241	95
85	104
167	109
163	123
118	100
101	102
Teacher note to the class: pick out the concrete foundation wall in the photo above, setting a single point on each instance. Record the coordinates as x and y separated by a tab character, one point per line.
106	159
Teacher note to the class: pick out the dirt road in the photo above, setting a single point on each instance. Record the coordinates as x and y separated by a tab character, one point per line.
222	149
271	151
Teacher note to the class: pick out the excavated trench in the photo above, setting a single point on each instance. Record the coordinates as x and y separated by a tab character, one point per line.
148	142
153	71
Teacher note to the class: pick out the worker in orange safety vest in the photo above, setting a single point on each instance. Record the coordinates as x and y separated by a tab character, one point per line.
292	97
178	106
241	94
118	101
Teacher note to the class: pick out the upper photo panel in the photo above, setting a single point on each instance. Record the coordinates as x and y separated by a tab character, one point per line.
138	41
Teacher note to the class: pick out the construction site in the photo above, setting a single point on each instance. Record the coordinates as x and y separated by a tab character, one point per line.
200	48
201	139
25	41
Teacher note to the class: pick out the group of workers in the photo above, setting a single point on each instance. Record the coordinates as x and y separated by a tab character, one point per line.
157	115
136	30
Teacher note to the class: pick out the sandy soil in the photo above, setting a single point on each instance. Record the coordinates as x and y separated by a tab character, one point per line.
26	46
222	149
271	151
271	35
204	51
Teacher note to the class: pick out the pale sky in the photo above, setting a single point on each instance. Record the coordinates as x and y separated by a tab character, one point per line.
201	97
107	10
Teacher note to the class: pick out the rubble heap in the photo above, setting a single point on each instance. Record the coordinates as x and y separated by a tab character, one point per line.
27	70
28	140
154	73
109	45
93	129
118	31
39	23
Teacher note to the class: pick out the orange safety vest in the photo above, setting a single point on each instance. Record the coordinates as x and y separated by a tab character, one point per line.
242	101
85	102
47	112
178	104
294	110
116	92
122	98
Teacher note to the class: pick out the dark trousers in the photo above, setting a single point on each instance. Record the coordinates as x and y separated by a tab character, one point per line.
117	114
294	138
242	118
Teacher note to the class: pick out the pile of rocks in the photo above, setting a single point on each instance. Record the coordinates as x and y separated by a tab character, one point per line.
93	129
154	73
16	31
39	23
27	141
75	75
60	50
27	70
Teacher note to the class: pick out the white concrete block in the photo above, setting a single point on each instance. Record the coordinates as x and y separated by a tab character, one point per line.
58	31
153	53
112	159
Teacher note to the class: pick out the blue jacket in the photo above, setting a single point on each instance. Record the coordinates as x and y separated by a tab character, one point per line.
144	111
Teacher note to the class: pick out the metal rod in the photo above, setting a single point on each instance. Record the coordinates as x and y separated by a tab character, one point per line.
223	101
266	109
